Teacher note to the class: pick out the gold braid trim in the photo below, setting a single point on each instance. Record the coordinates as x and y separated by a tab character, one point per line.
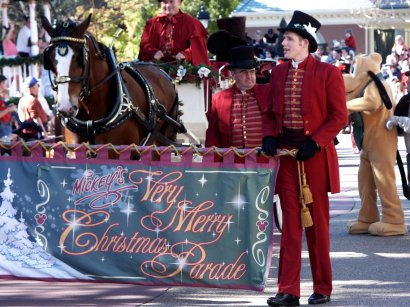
68	39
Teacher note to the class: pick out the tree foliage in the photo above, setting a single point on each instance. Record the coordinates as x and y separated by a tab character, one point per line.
109	14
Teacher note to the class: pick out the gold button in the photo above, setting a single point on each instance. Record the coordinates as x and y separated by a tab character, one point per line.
295	80
307	132
244	137
307	122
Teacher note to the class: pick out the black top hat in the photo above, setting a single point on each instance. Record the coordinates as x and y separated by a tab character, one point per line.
231	34
304	25
242	57
235	25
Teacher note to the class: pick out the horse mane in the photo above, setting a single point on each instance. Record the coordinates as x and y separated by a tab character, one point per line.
100	48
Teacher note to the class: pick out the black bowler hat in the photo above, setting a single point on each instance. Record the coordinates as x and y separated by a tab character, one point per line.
304	25
242	57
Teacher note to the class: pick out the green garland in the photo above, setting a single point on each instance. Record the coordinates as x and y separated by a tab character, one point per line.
191	74
18	61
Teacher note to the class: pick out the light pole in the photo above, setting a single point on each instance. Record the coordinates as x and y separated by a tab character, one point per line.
203	16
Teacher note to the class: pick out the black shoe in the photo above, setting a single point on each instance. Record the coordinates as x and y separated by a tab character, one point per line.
317	298
283	299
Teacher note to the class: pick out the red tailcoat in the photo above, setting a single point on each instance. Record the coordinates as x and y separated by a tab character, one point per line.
324	115
219	132
189	38
323	108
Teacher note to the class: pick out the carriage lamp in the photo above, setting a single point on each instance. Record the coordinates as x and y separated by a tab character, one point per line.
203	16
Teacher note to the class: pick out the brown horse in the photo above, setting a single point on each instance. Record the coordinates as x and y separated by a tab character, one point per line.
101	101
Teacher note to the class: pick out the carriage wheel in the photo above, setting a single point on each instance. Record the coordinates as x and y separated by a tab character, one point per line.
277	212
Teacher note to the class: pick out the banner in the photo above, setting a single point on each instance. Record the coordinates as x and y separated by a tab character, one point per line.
183	220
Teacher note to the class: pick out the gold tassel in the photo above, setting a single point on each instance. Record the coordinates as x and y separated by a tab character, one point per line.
307	194
305	216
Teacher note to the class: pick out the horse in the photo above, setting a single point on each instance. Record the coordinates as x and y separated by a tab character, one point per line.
101	101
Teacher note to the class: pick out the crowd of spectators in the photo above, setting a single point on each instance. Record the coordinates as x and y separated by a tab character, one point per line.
342	54
395	67
265	44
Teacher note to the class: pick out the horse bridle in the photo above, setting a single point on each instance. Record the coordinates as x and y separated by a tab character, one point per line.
125	109
62	43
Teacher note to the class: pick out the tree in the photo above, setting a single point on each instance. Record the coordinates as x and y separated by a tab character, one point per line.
109	14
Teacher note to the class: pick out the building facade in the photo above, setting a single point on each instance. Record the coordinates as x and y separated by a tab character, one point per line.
373	23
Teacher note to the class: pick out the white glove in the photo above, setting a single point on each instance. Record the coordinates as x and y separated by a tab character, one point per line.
401	121
391	122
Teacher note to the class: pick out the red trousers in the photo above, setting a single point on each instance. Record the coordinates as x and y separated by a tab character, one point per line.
317	236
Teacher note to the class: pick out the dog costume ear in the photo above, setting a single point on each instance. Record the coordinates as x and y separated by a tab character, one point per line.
382	91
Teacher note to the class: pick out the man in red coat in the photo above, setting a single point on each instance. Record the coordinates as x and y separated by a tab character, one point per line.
235	116
174	35
305	111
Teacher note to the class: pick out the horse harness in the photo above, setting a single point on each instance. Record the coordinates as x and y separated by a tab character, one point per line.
123	109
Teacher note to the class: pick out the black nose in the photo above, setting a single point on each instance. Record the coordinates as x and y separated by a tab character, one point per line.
73	111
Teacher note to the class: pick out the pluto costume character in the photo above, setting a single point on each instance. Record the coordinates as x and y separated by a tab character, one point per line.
378	151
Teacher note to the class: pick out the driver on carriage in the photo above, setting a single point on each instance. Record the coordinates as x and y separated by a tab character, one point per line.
173	36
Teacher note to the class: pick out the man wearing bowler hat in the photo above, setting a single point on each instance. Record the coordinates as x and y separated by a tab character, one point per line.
235	116
306	109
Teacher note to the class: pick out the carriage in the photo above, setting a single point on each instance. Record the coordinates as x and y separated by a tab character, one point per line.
101	101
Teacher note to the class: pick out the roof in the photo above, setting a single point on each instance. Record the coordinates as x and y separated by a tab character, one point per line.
387	13
248	6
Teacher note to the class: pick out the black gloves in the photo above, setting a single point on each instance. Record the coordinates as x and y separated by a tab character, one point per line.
269	145
307	150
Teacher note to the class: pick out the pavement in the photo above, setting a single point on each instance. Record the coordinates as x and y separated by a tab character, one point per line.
367	270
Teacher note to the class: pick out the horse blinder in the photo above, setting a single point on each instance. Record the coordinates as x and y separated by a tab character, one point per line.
47	63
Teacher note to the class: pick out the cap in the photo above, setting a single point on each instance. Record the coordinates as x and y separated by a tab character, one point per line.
30	82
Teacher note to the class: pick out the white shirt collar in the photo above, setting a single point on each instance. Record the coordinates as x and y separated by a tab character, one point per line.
296	64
